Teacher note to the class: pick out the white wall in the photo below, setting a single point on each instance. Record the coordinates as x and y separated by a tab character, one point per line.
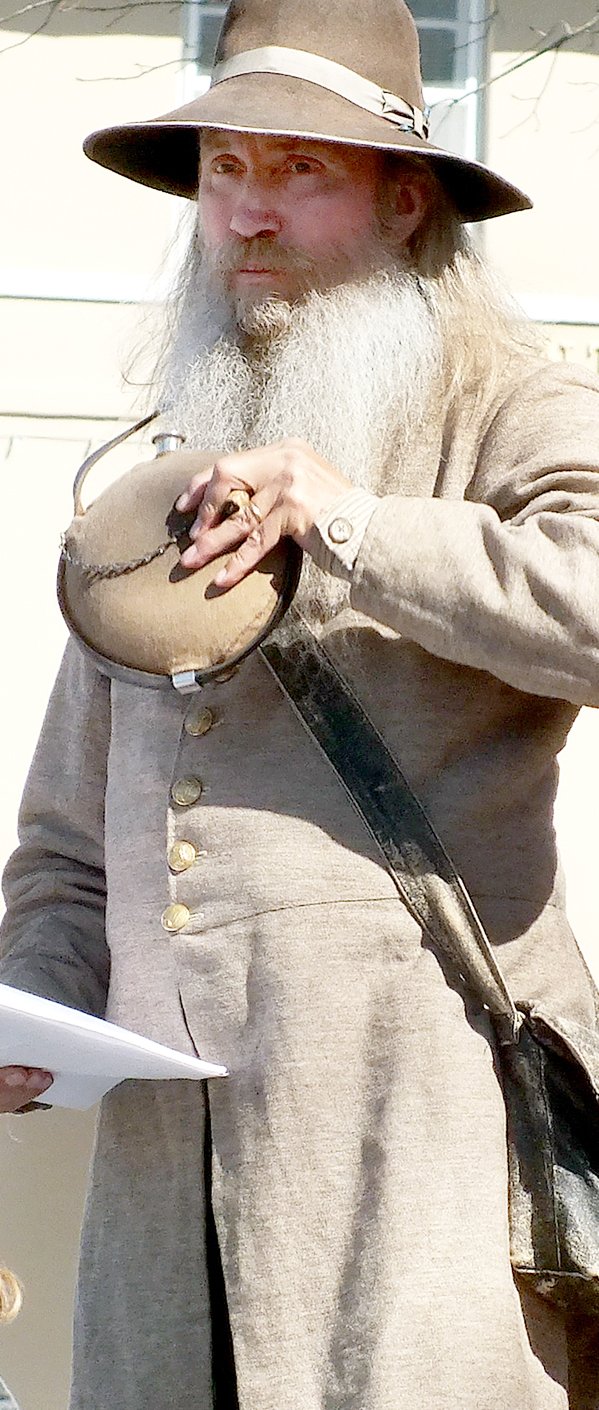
543	134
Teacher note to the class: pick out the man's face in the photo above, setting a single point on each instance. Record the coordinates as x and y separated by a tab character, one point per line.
281	215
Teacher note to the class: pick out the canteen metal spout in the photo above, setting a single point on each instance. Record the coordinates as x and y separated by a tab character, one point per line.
166	441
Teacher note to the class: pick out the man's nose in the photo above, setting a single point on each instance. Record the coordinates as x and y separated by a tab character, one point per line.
254	216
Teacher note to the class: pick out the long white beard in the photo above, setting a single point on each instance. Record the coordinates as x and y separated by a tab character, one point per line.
351	371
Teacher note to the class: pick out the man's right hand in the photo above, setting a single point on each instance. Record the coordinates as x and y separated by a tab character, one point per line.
21	1085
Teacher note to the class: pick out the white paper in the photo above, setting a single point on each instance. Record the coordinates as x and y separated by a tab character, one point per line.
87	1056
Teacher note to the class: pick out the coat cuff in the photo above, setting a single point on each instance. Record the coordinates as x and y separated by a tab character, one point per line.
336	538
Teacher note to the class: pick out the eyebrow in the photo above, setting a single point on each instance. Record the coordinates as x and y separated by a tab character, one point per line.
213	144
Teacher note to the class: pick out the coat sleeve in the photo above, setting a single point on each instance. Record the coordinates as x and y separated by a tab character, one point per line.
52	939
507	579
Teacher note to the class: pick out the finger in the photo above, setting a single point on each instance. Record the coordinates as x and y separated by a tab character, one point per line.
213	542
192	496
15	1100
250	470
253	549
38	1079
210	542
21	1076
219	498
18	1085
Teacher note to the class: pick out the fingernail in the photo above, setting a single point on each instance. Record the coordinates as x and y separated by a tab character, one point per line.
14	1079
183	500
221	577
38	1081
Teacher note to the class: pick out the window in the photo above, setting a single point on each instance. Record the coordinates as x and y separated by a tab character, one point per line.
452	35
452	45
443	28
203	29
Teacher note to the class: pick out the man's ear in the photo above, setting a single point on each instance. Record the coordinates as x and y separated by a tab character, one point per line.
412	199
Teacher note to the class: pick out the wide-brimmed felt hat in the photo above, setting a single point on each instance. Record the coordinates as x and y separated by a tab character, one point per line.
325	70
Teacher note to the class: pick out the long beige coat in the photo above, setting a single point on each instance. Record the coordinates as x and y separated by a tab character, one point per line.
358	1147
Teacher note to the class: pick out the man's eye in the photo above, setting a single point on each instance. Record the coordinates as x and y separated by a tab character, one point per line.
301	165
225	167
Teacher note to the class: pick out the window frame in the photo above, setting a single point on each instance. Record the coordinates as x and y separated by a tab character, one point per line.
471	30
468	27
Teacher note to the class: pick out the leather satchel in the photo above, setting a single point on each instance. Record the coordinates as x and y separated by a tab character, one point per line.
549	1067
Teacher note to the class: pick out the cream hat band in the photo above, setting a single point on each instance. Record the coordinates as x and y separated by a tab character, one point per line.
298	63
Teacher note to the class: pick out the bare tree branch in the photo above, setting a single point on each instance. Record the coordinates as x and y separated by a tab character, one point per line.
119	12
53	5
483	27
26	10
534	114
552	46
126	77
93	9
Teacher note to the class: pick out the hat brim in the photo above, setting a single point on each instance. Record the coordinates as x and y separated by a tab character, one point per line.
164	153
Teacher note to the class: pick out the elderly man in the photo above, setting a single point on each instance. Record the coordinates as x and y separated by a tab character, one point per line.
326	1229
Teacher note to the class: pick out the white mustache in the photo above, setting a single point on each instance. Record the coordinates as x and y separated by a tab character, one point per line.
258	252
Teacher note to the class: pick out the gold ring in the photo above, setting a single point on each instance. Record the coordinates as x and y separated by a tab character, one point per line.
236	503
255	511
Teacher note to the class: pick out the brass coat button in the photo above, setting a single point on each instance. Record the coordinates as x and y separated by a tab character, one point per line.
340	530
182	855
199	720
175	917
186	791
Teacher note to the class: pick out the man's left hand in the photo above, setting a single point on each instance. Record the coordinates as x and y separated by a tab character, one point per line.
290	488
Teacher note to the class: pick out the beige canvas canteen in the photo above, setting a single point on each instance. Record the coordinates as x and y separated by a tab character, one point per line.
127	599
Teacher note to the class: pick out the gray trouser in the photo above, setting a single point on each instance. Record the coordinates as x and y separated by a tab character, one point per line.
149	1260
